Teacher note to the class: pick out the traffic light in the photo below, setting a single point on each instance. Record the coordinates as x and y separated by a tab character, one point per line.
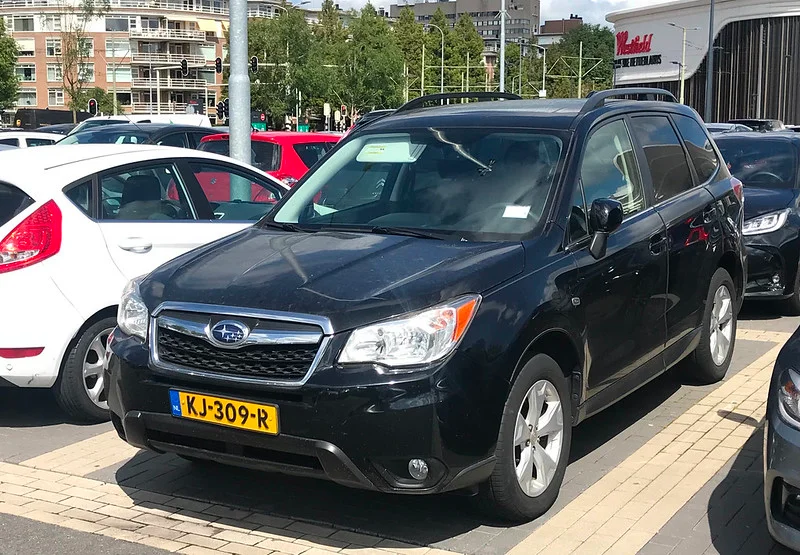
220	111
262	116
184	67
227	108
344	110
254	64
218	65
92	107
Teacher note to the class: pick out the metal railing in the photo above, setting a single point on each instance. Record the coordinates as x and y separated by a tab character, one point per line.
153	108
159	58
174	34
215	7
168	83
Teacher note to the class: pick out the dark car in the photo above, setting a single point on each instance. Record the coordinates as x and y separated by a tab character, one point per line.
58	129
165	134
726	127
782	447
769	166
760	124
443	297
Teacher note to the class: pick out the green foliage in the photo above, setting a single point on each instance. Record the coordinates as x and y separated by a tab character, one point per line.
105	100
598	42
410	36
9	85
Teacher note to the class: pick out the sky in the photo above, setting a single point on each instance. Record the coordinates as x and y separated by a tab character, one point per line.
592	11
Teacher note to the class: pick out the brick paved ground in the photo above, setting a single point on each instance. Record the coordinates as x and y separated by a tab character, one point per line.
84	478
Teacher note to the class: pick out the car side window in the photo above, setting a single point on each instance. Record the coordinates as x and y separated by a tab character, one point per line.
234	194
195	139
174	139
665	156
39	142
609	168
81	196
698	143
147	193
9	142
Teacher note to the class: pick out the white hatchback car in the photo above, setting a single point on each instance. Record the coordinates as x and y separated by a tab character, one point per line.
28	139
77	224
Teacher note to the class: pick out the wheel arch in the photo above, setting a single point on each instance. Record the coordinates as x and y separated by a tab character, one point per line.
730	263
107	312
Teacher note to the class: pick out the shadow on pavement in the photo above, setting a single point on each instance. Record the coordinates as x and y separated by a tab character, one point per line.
736	514
30	408
761	310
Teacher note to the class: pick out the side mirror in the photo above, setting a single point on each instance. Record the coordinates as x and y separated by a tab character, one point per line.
605	216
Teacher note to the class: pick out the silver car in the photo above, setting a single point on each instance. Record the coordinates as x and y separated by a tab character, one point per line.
782	447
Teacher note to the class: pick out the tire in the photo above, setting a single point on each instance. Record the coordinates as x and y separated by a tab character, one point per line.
72	389
503	495
703	365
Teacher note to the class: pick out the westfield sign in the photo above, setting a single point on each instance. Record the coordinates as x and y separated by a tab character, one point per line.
640	44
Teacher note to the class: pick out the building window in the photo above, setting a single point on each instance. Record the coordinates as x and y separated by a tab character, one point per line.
87	47
55	97
86	73
26	48
26	72
122	74
52	23
117	24
23	23
53	47
208	75
54	73
209	52
124	98
117	48
27	97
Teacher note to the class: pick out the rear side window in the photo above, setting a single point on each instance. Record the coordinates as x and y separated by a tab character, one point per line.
12	202
311	153
767	163
699	145
81	196
666	159
264	156
9	142
38	142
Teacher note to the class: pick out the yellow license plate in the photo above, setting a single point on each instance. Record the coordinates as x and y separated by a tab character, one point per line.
225	412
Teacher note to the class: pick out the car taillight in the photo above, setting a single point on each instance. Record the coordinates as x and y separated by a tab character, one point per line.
738	189
36	238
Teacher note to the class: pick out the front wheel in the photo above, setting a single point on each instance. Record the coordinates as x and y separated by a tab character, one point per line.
710	360
533	445
81	389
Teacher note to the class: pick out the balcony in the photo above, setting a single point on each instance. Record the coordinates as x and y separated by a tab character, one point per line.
169	83
166	59
153	108
166	34
216	7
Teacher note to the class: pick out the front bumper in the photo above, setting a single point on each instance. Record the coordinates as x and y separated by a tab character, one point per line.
357	434
782	479
772	262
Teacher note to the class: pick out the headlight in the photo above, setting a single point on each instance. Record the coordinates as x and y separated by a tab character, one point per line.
132	316
414	339
766	223
789	395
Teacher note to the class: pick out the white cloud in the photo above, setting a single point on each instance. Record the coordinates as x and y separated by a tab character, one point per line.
592	11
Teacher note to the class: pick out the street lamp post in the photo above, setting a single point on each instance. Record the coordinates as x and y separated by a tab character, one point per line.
502	45
441	82
544	65
683	56
710	64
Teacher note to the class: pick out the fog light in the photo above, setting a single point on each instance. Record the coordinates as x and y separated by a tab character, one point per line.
418	469
776	279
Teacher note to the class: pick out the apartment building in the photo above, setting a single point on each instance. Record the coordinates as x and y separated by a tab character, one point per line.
136	49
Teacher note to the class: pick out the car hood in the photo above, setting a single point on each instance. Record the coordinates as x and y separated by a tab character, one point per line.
350	278
758	201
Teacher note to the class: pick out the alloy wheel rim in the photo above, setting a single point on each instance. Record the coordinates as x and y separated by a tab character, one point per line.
93	382
538	437
721	330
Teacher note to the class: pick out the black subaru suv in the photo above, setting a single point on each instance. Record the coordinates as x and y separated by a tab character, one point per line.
443	298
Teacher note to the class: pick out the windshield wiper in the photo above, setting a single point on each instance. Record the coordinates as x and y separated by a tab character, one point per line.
384	230
286	226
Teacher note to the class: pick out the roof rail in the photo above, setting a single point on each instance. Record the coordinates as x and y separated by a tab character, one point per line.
439	97
596	99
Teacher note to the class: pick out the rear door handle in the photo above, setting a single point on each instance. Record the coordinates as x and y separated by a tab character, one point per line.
136	245
658	243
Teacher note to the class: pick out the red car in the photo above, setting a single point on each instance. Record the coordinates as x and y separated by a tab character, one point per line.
285	155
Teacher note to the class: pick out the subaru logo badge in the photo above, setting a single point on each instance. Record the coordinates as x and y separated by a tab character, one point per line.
228	333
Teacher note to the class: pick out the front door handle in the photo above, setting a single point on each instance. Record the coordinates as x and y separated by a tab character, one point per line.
658	243
136	245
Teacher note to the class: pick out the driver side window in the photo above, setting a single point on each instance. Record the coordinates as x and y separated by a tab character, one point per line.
143	194
609	168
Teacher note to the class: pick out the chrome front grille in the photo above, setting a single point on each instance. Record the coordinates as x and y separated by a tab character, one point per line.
274	348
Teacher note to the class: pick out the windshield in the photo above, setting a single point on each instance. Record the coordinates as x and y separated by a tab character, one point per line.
92	123
760	163
264	156
465	184
105	136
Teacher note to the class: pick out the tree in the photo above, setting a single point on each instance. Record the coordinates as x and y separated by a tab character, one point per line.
465	49
410	37
374	73
105	100
74	52
562	57
433	51
9	84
